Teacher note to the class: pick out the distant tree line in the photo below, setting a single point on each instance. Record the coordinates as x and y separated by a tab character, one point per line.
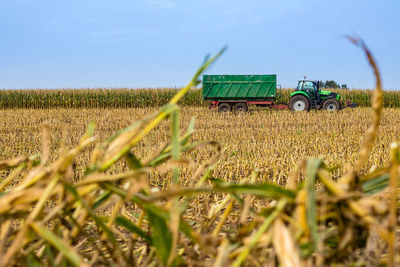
332	84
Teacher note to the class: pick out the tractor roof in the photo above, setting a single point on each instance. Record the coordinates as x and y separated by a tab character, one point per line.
308	81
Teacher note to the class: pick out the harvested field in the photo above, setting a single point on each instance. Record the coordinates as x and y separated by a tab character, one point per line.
271	141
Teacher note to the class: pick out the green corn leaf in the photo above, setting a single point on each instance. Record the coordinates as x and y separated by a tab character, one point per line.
136	134
160	159
126	223
167	153
132	161
91	128
175	134
374	174
32	261
150	207
101	199
161	236
175	143
99	222
266	190
259	232
50	255
376	185
58	243
189	132
132	127
139	200
311	207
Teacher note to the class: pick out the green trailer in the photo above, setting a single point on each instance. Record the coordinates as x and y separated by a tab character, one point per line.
234	87
237	92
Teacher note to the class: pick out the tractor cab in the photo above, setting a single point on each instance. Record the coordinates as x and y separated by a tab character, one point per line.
308	86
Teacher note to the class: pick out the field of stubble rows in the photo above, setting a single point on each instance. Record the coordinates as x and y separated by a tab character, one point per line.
270	141
109	214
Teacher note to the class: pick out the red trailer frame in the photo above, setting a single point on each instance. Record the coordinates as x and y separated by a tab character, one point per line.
264	103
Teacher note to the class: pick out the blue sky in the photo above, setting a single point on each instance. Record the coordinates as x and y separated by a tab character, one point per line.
160	43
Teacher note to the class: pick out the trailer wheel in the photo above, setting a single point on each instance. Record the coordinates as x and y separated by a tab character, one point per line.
299	103
240	107
331	105
224	107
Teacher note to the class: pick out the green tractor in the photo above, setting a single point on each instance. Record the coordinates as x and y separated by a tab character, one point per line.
308	95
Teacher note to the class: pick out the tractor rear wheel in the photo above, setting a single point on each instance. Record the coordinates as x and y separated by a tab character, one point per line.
224	107
240	107
331	105
299	103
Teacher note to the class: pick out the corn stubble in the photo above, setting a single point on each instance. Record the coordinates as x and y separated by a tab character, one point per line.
111	214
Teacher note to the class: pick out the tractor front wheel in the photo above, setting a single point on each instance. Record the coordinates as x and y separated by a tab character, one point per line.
299	103
331	105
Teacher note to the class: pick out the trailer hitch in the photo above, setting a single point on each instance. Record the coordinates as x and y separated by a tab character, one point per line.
350	104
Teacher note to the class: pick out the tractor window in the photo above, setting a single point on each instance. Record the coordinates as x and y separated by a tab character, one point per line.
308	86
300	86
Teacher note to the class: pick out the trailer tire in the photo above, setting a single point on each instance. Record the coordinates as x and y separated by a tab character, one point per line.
331	105
299	103
240	107
224	107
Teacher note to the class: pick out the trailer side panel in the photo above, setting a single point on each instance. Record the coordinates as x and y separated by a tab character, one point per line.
239	87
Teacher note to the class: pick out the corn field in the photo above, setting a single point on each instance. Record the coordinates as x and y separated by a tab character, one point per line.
266	188
94	98
140	98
